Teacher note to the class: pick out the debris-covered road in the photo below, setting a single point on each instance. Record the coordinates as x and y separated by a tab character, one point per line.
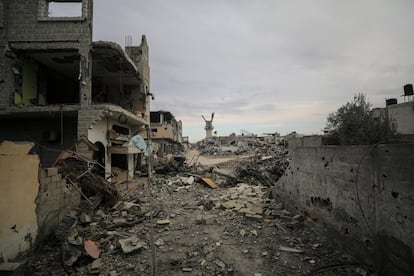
235	229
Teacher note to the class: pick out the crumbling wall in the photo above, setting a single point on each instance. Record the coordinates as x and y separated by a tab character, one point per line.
32	201
28	26
46	132
305	141
363	195
56	198
18	189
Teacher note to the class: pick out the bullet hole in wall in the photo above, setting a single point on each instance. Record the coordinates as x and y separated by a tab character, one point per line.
323	203
345	230
395	194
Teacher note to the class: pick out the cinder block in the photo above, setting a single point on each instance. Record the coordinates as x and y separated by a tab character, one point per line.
57	178
52	171
45	180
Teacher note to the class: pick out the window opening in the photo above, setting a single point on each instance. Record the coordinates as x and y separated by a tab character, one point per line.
64	9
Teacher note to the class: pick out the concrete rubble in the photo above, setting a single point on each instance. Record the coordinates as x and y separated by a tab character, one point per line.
235	229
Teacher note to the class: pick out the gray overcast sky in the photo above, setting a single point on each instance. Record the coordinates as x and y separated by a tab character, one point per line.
265	65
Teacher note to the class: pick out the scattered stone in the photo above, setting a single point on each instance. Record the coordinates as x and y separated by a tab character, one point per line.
220	263
187	269
254	232
96	266
315	245
201	220
254	217
92	248
163	221
131	245
289	249
242	232
85	218
159	242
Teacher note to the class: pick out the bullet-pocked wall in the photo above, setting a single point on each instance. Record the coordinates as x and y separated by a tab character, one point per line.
364	195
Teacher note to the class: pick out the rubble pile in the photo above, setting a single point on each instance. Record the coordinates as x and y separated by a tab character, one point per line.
266	167
95	189
213	146
199	226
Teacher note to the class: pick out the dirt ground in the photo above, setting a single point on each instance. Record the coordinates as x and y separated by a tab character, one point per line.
182	226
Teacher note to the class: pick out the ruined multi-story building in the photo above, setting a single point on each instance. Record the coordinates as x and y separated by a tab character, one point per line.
166	131
57	85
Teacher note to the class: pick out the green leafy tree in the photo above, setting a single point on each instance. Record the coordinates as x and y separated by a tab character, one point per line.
352	124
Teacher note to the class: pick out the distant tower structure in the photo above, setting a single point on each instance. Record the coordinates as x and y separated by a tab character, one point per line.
209	126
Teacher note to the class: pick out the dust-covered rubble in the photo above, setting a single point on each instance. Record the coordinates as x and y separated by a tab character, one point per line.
178	225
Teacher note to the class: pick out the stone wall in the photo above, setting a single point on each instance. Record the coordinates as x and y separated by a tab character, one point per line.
362	195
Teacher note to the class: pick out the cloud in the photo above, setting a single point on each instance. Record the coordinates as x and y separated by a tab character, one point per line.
270	64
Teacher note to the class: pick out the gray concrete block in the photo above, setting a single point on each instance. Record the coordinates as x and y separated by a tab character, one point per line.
57	178
52	171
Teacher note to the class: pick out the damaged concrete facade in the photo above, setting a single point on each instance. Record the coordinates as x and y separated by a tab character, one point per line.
362	196
33	201
167	132
58	86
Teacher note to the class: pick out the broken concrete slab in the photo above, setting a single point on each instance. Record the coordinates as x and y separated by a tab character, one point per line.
9	266
132	244
289	249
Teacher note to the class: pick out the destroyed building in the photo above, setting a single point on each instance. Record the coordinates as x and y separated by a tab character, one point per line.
167	132
57	86
61	91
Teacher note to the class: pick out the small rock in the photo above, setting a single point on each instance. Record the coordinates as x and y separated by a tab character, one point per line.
220	263
242	232
96	265
187	269
159	242
254	232
163	221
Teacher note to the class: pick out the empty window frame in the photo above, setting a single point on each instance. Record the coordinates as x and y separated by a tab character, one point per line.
64	9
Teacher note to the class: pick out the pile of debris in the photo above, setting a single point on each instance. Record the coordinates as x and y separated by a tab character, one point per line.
83	173
267	166
213	146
